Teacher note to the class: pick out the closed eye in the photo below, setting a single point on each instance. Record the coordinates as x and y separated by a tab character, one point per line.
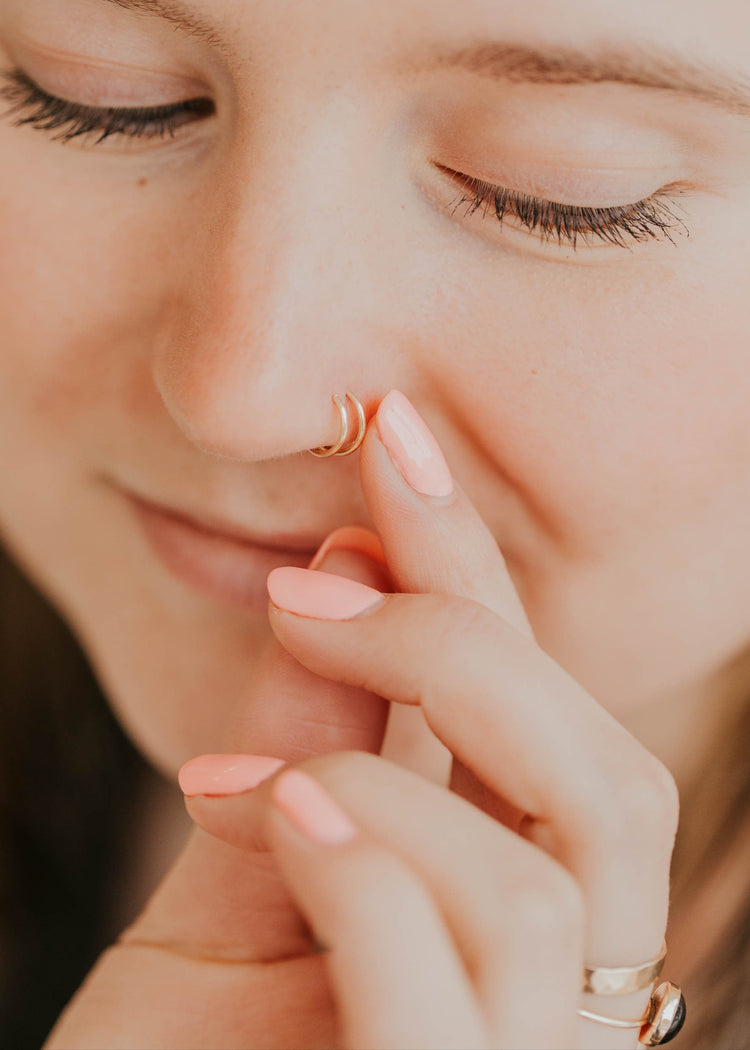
70	120
650	218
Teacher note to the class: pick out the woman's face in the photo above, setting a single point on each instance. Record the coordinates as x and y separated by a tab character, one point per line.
177	312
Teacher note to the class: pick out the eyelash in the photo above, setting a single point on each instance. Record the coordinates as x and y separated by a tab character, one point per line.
646	219
651	218
48	113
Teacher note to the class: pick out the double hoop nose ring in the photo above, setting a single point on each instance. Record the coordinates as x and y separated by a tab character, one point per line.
333	450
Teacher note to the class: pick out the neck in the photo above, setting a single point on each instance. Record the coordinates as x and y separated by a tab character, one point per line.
688	728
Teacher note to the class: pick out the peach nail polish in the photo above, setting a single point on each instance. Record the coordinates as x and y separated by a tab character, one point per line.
312	809
310	592
412	446
226	774
350	538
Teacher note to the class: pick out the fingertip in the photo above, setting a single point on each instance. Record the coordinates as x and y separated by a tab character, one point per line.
221	775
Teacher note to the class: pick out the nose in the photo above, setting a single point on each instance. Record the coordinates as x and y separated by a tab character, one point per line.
282	294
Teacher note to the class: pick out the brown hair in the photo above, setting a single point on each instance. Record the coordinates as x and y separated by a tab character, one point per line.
67	771
714	840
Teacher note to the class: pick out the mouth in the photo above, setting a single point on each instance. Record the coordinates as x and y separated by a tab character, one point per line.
222	560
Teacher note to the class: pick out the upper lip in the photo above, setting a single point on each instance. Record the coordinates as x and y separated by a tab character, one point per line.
302	542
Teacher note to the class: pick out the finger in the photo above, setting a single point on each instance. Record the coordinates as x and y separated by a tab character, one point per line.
289	712
526	729
515	916
433	544
221	903
397	977
439	544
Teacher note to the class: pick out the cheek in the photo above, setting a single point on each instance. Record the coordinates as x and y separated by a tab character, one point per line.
612	419
614	405
79	290
79	293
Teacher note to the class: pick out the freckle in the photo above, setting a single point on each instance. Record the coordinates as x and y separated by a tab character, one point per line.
142	182
534	372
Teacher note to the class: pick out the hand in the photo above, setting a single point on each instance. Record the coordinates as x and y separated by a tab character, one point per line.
463	917
220	958
552	788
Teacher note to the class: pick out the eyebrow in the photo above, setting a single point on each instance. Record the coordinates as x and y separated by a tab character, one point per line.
640	66
174	12
637	67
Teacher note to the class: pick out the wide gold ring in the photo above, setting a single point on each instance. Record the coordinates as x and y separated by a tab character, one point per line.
622	980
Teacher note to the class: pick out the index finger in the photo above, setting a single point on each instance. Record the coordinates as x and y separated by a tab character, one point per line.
436	542
448	552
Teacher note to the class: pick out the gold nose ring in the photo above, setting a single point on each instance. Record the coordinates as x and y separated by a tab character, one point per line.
333	450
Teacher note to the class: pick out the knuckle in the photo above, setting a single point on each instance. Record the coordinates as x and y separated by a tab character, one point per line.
650	798
644	802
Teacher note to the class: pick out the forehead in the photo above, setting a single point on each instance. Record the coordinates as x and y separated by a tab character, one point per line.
713	23
696	47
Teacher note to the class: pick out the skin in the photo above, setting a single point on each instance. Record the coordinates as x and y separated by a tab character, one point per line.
161	302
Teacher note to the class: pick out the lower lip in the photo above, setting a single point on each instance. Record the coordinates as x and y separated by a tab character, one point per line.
230	570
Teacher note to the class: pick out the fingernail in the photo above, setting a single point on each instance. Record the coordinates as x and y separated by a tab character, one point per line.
312	809
412	447
226	774
350	538
319	594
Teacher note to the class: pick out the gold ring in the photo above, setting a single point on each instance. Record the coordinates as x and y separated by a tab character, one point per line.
663	1019
622	980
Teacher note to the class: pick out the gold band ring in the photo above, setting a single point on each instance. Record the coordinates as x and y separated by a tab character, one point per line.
622	980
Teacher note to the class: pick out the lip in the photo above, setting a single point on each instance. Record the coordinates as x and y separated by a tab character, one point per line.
212	561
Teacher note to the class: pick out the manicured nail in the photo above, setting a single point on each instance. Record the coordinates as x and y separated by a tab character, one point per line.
350	538
412	446
226	774
319	594
312	809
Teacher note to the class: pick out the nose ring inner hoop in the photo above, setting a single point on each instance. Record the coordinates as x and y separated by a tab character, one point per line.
322	452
